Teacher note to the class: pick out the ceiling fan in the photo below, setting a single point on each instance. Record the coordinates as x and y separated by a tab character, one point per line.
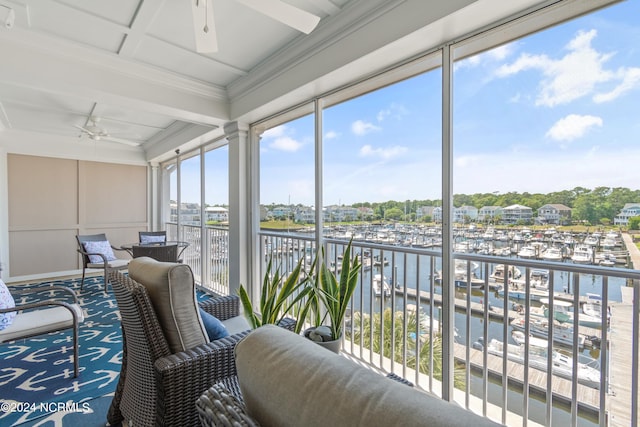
206	38
96	133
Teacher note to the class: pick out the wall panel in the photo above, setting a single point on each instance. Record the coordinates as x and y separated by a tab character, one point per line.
52	200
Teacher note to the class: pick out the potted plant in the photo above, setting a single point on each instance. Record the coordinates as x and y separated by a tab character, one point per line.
329	297
278	296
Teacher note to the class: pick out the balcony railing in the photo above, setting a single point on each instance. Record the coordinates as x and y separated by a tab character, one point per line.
516	321
209	262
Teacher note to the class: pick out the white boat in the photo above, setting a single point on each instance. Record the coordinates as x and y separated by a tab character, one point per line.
591	240
593	308
582	254
539	327
380	286
552	254
562	365
498	273
562	312
528	251
518	290
539	279
606	259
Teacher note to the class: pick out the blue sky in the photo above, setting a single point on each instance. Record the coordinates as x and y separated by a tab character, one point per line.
552	111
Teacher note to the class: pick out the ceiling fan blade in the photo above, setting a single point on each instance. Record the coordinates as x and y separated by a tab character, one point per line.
87	131
289	15
203	26
121	141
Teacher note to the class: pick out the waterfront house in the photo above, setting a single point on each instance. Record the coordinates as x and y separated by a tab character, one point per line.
490	213
465	214
515	214
628	211
423	211
556	214
217	213
112	118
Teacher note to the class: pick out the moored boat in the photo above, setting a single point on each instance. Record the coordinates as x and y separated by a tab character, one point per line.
381	286
538	358
539	327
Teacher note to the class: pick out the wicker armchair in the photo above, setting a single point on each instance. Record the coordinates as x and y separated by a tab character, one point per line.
156	386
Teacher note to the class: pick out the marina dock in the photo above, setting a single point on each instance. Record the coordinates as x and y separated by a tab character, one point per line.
621	339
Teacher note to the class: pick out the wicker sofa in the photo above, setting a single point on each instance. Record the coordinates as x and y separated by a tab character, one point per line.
287	380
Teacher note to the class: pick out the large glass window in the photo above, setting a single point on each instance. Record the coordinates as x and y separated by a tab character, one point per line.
287	175
542	152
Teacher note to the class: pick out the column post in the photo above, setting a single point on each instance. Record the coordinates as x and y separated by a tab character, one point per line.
239	219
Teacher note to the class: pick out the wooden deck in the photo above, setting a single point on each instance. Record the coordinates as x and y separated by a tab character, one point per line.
621	338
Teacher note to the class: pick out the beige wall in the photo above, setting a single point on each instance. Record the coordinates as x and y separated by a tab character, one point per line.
51	200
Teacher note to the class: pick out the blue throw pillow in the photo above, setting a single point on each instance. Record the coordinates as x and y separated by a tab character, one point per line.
214	327
6	301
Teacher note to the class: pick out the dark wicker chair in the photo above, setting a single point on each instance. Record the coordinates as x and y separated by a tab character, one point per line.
106	265
155	386
163	252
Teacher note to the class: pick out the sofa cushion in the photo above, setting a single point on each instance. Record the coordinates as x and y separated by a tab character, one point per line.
172	293
287	380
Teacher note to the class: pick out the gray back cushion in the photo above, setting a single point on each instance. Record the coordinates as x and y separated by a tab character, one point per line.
172	292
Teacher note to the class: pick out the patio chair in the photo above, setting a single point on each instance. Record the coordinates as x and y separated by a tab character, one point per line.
43	316
167	360
96	253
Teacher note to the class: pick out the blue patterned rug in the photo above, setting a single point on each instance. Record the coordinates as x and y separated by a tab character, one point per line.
36	375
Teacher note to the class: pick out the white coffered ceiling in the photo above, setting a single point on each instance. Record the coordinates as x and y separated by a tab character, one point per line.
133	64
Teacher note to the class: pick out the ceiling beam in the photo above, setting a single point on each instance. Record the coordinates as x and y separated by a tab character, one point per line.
144	17
111	80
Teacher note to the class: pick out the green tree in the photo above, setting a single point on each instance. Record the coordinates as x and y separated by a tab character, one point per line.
634	223
393	213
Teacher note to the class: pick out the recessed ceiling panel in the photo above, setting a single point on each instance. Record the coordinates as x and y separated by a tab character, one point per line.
117	11
78	26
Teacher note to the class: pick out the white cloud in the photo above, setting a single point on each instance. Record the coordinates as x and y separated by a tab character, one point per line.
279	138
274	132
360	127
573	76
630	79
396	111
331	135
573	126
499	53
285	143
384	153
